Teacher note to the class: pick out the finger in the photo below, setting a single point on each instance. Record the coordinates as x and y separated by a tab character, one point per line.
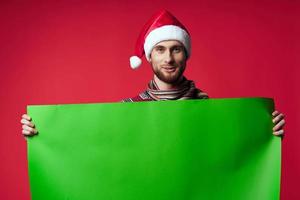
27	128
24	132
27	117
279	125
26	122
275	113
28	133
278	133
278	118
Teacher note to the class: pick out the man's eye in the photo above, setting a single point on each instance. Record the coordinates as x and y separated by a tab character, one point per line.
177	49
160	49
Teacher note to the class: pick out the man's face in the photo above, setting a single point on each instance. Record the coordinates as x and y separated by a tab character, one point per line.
168	60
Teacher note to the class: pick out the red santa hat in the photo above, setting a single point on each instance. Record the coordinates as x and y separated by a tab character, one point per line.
162	26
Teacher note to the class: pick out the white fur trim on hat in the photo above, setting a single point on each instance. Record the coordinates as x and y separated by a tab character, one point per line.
167	32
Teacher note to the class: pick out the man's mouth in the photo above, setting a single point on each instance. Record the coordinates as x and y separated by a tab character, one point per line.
169	68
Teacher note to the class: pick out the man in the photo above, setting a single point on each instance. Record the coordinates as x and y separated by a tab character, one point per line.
166	44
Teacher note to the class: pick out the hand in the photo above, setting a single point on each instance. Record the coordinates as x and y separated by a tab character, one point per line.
28	128
279	122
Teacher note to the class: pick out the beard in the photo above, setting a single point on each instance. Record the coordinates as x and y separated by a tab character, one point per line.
171	78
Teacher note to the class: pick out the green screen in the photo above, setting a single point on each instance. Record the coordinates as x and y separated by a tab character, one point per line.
164	150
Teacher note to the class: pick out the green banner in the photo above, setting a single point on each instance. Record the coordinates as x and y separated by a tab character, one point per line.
167	150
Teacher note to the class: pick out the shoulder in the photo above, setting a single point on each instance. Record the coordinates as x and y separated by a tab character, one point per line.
144	96
202	95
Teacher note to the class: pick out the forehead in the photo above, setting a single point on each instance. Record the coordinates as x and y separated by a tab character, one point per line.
169	43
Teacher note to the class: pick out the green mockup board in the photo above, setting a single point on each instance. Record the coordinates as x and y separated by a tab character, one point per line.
165	150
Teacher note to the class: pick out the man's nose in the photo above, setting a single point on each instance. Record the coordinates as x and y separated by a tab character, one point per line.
169	57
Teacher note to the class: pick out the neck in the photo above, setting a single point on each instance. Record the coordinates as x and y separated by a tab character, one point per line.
166	86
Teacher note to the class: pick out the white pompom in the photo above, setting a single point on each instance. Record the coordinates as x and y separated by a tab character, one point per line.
135	62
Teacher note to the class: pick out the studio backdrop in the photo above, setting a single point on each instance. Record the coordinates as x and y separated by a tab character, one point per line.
77	52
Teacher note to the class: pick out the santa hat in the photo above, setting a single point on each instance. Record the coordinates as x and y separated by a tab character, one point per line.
162	26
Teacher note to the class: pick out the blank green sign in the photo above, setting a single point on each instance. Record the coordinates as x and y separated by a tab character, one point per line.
168	150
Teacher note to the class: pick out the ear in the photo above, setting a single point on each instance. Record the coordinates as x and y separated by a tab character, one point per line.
150	60
186	54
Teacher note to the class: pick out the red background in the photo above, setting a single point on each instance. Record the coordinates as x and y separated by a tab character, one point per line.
62	52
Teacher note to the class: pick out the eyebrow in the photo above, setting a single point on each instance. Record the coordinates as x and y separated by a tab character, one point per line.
174	46
159	46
